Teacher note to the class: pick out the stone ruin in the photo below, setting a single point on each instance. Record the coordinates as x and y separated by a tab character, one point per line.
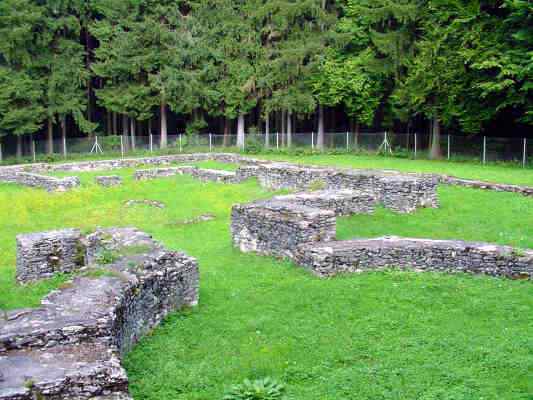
277	227
109	180
49	183
301	227
154	173
70	347
326	259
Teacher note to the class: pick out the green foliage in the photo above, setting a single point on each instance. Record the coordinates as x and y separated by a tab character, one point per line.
259	389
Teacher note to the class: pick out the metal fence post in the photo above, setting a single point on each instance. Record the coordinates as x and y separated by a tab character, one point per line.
312	140
524	155
121	146
277	140
347	141
210	143
180	142
33	150
484	149
151	143
64	146
1	153
415	143
448	146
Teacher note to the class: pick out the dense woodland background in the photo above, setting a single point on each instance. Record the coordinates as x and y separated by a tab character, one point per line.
85	67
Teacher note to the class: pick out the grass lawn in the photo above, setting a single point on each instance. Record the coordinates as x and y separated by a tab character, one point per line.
383	335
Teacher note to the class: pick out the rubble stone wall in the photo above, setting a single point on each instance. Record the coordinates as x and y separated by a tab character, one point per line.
81	330
348	256
277	228
49	183
154	173
42	255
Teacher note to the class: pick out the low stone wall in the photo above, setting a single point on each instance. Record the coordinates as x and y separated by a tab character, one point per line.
399	192
42	255
342	202
214	175
50	183
497	187
70	347
154	173
331	258
109	180
277	228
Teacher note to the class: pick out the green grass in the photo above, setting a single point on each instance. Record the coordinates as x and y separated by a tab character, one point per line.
383	335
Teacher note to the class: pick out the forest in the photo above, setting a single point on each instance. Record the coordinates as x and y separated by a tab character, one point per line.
128	67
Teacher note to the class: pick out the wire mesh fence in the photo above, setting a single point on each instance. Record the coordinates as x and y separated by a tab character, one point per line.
412	145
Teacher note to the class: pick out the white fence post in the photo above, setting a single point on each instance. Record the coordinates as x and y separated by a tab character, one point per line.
151	143
312	140
1	153
179	138
210	143
448	146
121	146
347	141
524	156
484	149
277	140
33	150
415	143
64	146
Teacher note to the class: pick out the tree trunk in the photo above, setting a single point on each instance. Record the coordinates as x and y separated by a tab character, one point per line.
125	139
64	135
132	133
19	146
320	131
1	152
240	131
357	129
164	136
289	128
435	151
115	130
109	128
283	127
267	131
227	124
50	137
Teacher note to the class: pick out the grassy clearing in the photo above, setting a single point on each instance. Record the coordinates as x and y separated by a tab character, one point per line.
386	335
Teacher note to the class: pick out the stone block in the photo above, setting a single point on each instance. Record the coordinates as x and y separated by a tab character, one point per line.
109	180
277	228
41	255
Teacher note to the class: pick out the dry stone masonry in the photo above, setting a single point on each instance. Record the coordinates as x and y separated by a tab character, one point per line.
42	255
277	227
144	174
109	180
214	175
70	347
342	202
49	183
332	258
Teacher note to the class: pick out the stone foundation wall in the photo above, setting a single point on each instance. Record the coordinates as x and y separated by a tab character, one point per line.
82	329
214	175
277	228
342	202
154	173
332	258
42	255
50	183
402	193
109	180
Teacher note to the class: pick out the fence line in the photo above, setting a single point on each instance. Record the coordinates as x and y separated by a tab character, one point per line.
484	149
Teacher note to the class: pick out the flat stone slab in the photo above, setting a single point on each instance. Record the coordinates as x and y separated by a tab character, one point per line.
79	371
347	256
342	202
